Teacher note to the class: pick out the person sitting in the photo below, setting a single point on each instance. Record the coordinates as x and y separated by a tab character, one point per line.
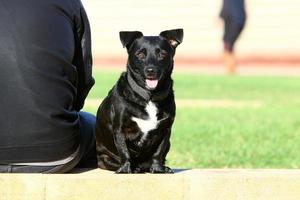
45	76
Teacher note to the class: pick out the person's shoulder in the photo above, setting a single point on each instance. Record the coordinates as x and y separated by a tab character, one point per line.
74	6
77	4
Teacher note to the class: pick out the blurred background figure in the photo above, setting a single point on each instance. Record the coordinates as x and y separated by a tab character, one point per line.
234	16
270	37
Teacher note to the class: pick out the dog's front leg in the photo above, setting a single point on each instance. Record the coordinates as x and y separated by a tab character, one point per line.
158	158
120	142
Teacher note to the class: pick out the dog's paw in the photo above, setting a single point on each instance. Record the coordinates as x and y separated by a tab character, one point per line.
124	169
138	170
156	169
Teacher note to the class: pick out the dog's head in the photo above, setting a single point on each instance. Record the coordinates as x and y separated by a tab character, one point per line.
150	58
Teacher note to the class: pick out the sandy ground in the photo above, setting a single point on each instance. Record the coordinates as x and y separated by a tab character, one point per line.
244	70
255	67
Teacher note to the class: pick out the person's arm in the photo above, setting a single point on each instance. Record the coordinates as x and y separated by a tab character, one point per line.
83	58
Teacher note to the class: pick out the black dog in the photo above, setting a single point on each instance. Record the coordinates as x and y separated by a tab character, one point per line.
134	121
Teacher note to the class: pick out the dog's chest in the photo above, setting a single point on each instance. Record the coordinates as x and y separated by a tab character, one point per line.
151	122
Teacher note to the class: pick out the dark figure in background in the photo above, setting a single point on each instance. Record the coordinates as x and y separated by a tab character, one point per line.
45	76
234	15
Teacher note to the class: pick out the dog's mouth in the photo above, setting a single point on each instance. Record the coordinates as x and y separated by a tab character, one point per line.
151	84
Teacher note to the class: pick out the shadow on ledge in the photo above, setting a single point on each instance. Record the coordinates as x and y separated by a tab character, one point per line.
86	170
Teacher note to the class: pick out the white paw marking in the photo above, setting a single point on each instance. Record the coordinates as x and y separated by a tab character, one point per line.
150	123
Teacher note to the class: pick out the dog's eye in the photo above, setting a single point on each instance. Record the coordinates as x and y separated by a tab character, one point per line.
140	55
162	54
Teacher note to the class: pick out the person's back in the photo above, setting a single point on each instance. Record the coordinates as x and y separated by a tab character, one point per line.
45	75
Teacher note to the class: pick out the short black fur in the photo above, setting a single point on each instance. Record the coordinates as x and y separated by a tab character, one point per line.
121	144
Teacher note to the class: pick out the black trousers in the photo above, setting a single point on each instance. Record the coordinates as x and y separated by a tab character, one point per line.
232	30
86	158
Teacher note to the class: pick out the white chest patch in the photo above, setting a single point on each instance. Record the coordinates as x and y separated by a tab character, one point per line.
151	122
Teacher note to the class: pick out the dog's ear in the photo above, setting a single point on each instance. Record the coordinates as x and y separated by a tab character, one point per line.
128	37
174	37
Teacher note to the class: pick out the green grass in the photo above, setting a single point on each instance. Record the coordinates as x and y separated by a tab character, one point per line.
267	136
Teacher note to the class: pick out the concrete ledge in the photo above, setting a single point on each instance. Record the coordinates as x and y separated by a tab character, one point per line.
187	184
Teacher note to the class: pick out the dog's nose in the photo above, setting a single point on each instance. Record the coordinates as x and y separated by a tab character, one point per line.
150	70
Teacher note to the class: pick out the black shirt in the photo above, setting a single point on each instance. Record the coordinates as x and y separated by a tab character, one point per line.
45	75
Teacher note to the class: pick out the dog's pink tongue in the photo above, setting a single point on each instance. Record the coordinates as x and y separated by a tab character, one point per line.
151	84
